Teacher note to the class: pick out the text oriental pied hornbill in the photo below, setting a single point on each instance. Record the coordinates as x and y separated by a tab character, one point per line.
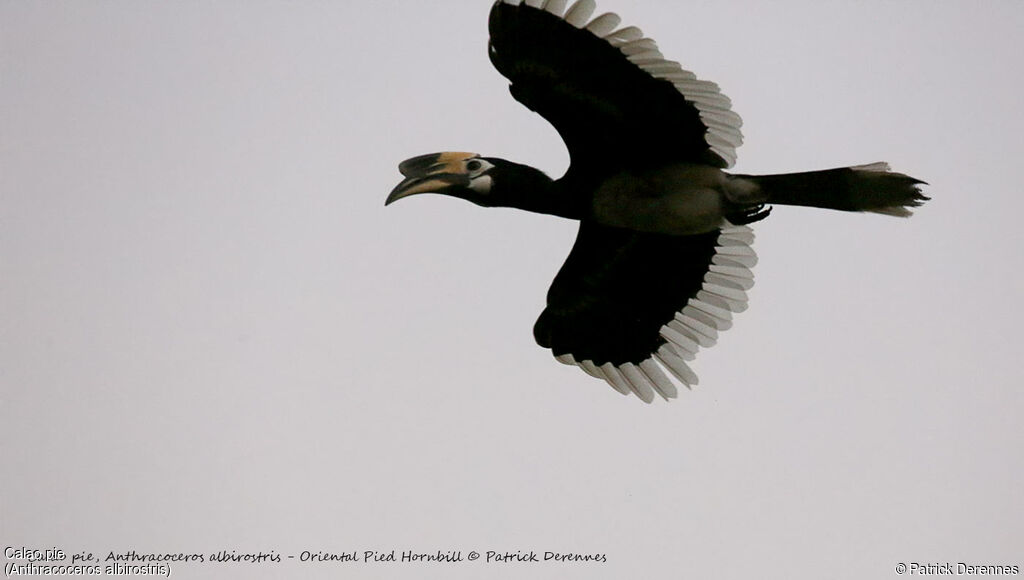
648	143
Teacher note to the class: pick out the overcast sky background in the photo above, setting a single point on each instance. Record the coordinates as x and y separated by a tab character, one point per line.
214	336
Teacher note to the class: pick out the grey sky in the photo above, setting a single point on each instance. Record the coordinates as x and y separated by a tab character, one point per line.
214	336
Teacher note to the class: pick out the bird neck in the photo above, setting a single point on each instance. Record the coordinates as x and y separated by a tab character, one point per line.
538	193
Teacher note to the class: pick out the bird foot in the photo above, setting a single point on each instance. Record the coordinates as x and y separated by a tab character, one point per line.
748	215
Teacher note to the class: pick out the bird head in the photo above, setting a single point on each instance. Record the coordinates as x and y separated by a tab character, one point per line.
462	175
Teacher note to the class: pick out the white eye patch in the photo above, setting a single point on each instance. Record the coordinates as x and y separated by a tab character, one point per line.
476	167
481	183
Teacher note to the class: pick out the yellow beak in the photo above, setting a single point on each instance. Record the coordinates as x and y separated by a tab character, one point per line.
431	173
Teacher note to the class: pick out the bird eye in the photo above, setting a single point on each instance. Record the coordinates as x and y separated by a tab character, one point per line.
476	168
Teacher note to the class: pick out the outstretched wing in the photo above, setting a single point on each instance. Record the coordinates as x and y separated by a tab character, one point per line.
609	92
627	304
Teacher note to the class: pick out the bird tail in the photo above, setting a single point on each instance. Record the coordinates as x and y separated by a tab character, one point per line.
872	188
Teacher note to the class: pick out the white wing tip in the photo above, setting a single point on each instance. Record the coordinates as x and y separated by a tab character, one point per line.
579	13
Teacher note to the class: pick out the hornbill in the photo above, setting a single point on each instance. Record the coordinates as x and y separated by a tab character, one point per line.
663	254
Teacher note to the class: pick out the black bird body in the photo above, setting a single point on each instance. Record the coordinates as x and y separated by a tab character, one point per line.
677	199
649	145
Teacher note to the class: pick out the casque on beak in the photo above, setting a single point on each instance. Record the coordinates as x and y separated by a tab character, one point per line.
431	173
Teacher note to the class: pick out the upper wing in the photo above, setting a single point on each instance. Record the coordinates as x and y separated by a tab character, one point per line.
608	91
625	301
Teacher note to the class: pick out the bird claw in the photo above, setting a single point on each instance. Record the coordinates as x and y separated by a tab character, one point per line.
748	215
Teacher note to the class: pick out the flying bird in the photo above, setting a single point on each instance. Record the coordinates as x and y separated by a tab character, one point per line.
649	144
